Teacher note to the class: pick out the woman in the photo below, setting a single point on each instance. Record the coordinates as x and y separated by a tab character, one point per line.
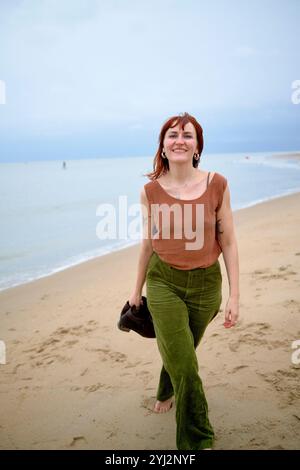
187	224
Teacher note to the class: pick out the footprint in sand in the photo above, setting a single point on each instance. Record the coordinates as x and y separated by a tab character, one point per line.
50	359
145	376
130	365
215	335
255	335
286	383
95	387
79	330
111	434
106	328
61	338
77	441
282	273
261	327
276	447
148	404
291	305
17	367
44	297
71	342
238	368
90	388
109	355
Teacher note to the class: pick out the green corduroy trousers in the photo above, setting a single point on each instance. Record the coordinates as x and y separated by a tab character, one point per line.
182	303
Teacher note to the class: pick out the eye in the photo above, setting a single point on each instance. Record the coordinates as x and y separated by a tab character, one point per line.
186	136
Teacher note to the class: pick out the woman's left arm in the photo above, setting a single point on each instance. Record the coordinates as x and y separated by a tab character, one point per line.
227	241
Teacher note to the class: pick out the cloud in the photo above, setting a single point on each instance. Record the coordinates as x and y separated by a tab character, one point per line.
75	66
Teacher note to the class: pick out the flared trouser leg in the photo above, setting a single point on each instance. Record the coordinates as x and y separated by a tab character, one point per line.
165	388
182	303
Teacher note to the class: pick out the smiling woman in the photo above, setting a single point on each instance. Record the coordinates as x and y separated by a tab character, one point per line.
184	282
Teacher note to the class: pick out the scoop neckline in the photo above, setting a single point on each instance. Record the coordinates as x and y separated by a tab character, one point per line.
186	200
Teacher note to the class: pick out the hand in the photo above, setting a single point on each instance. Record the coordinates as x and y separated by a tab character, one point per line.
231	312
135	299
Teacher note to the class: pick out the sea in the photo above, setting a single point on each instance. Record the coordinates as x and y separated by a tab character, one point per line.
54	216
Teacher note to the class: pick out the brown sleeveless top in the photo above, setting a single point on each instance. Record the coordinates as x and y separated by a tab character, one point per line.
185	231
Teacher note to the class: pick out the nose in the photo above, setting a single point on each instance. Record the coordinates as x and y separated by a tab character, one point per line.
180	138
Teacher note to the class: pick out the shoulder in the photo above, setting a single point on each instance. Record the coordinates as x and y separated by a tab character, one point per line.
147	190
148	186
219	177
220	181
220	185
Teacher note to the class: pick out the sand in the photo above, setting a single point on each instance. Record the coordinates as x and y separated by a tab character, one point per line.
74	381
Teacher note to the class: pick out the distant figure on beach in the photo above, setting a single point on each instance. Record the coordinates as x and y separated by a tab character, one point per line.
183	278
64	165
247	158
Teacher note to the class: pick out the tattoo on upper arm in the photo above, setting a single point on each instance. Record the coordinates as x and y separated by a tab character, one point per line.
219	229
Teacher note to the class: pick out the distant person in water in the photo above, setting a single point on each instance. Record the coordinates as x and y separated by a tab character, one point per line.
64	165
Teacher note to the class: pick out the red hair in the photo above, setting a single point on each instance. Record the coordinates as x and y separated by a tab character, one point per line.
161	165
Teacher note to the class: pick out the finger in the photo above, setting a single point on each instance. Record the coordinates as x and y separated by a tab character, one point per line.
227	316
234	318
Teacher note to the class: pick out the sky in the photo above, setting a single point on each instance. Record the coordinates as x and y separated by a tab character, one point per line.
98	78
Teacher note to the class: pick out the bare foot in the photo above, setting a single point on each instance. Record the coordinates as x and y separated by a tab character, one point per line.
163	406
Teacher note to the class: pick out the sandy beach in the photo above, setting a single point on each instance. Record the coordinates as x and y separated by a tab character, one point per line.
74	381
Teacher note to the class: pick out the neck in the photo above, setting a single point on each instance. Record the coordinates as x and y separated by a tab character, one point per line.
179	175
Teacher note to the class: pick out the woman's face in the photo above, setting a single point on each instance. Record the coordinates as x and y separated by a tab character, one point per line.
181	144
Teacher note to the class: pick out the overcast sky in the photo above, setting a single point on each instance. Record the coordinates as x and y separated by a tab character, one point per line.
92	78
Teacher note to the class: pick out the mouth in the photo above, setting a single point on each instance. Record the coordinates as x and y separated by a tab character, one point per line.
179	151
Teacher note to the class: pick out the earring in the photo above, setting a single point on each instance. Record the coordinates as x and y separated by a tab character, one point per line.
196	156
163	154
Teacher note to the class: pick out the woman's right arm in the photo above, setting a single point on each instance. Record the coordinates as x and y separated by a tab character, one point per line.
146	251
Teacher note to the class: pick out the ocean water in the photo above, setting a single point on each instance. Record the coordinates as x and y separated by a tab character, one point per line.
49	214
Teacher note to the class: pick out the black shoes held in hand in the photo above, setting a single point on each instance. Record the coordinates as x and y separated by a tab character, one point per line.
137	319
